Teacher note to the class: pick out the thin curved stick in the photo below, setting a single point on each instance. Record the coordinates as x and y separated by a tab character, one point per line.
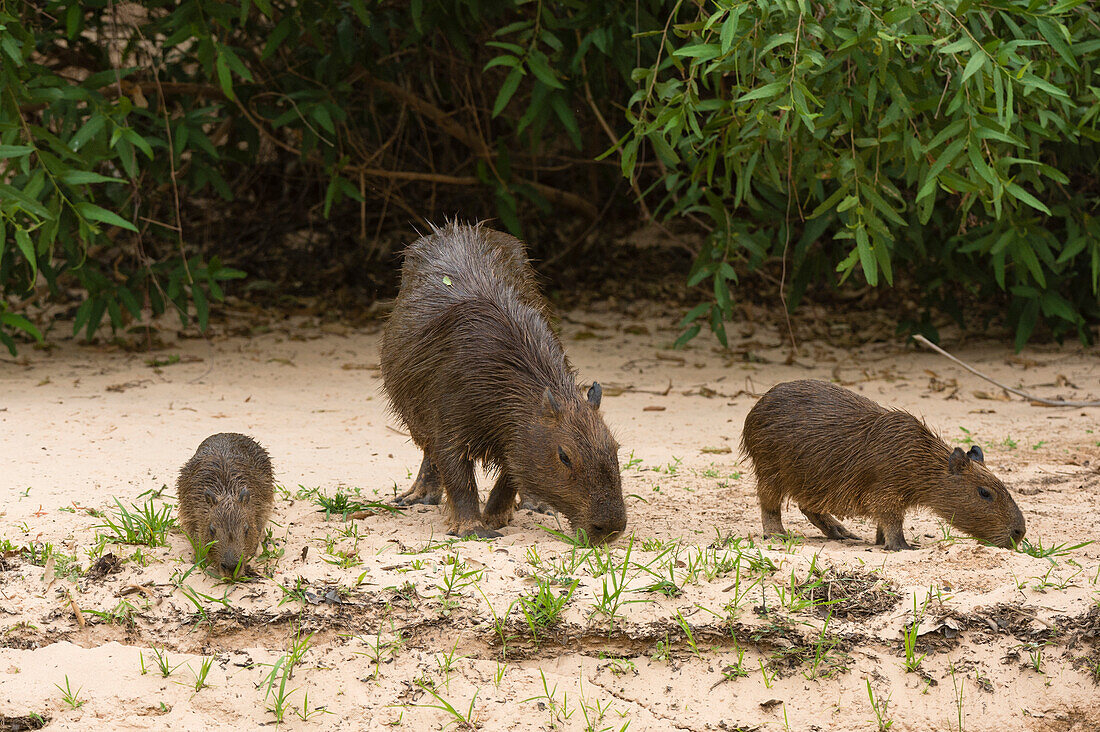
1049	402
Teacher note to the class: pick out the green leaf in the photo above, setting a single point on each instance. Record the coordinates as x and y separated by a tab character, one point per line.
694	314
764	92
540	67
974	65
447	280
686	336
946	158
507	89
1055	34
96	213
89	130
320	113
565	114
14	320
81	177
202	307
277	36
225	78
866	257
502	60
1026	324
23	241
29	204
1014	190
729	30
15	151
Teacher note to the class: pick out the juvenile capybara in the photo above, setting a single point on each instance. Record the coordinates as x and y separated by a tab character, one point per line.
226	494
837	453
473	369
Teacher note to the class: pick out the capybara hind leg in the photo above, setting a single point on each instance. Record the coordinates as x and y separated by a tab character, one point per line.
894	535
501	503
879	538
426	489
457	474
828	525
771	509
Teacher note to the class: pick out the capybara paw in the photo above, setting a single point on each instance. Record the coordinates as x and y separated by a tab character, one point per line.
480	532
530	504
418	494
496	520
897	546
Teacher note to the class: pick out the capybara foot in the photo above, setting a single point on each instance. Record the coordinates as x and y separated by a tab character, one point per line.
478	530
527	503
829	526
495	520
420	493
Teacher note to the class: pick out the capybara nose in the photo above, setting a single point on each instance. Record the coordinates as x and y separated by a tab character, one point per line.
229	562
1017	535
607	531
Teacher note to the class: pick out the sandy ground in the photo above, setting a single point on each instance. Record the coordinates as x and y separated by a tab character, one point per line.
691	623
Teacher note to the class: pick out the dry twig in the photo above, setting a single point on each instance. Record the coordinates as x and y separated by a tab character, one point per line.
1048	402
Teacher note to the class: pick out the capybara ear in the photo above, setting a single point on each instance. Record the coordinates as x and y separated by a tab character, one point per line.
957	461
245	495
595	394
550	406
210	496
975	454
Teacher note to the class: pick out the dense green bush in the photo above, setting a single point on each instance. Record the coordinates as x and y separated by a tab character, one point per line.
126	130
954	142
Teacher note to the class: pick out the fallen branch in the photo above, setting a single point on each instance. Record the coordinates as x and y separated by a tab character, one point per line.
1048	402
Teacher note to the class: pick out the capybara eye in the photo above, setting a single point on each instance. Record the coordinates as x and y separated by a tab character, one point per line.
984	493
211	528
564	458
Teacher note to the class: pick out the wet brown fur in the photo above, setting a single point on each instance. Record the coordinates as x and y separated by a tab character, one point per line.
226	494
473	369
837	453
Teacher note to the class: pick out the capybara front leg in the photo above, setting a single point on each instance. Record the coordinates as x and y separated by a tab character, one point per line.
879	537
501	503
457	474
426	489
894	535
828	525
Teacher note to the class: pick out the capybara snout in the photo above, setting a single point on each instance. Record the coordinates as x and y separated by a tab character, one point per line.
573	461
983	505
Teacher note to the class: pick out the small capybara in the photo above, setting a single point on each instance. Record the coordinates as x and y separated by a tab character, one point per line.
837	453
226	494
471	366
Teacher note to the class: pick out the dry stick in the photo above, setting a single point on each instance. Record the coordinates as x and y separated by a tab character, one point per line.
1049	402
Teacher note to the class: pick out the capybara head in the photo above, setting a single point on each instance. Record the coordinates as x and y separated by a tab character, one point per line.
977	502
569	459
230	528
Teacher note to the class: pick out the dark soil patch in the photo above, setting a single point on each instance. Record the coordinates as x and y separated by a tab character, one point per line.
22	723
851	594
105	565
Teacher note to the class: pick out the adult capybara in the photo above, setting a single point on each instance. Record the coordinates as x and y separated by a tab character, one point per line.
838	453
472	368
226	494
